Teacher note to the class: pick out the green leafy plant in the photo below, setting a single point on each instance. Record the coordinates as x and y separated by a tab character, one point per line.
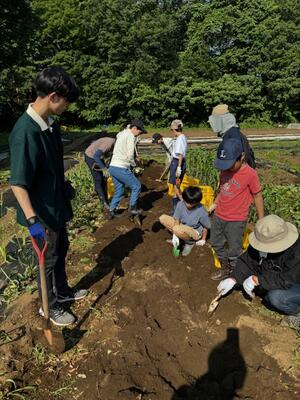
10	390
281	200
39	355
200	164
86	205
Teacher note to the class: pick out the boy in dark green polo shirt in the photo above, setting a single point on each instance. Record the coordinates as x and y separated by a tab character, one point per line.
37	181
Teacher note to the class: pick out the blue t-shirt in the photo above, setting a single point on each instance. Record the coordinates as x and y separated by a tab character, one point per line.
196	217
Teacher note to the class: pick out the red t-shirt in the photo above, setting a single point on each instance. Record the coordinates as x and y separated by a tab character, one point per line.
236	194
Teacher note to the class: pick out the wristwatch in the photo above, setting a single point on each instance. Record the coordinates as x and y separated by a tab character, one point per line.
32	220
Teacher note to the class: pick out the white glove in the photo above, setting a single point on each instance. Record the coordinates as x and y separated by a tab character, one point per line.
226	285
175	240
249	286
211	208
105	172
200	242
178	172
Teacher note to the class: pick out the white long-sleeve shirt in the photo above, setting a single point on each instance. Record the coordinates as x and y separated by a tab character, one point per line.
123	154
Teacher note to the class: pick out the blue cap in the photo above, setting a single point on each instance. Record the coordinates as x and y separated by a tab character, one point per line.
229	150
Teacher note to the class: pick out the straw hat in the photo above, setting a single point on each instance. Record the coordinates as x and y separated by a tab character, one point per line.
220	109
273	235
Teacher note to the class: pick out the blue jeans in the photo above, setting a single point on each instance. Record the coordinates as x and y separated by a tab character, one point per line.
285	300
123	177
99	180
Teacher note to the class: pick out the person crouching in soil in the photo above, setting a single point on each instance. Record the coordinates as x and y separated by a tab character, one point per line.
190	222
272	262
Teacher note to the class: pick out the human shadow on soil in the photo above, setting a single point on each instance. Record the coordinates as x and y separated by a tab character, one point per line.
111	257
74	335
148	199
226	374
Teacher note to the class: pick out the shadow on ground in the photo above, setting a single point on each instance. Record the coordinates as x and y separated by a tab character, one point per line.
226	373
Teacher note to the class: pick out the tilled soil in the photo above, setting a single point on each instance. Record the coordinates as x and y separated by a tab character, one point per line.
144	333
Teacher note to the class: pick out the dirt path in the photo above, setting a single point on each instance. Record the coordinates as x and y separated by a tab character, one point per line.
143	331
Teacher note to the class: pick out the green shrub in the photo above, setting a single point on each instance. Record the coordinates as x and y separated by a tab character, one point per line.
86	205
282	200
200	164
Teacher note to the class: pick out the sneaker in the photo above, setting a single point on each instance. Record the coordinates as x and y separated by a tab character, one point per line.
113	214
73	295
221	273
293	321
133	211
187	248
58	316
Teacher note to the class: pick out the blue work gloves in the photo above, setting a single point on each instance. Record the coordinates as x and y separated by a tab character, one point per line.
36	229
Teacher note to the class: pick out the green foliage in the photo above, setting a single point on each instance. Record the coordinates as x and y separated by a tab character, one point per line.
86	205
200	164
9	389
16	47
157	60
282	200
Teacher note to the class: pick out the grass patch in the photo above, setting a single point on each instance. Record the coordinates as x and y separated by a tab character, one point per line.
9	390
65	389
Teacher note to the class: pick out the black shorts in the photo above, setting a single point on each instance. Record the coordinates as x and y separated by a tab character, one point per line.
173	167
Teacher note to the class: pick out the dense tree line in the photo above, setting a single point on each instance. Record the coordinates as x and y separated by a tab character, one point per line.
156	59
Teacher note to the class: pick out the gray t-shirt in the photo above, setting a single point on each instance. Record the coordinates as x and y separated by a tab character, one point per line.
196	217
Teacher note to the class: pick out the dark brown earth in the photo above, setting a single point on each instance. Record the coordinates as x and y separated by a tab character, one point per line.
143	331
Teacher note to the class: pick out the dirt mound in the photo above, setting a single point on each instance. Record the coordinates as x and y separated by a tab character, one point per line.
143	331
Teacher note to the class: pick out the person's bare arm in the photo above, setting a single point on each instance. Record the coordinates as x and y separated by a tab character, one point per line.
204	233
180	159
177	192
259	204
23	199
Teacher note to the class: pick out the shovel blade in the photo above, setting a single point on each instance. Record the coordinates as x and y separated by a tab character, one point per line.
49	336
214	304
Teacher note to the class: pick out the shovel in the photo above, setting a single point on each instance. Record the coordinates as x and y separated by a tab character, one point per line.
41	256
214	304
57	343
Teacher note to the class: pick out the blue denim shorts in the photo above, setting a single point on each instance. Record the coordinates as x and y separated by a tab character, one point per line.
173	167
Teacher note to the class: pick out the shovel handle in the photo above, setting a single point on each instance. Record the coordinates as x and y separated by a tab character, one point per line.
40	253
41	257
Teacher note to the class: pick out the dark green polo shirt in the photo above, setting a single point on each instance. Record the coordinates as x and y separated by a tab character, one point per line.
37	164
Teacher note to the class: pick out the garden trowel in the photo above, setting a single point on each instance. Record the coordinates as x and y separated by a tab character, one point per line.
214	304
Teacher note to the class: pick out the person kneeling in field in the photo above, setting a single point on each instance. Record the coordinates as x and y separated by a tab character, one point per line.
190	221
272	262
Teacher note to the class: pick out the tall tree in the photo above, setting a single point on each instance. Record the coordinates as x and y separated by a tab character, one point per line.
16	29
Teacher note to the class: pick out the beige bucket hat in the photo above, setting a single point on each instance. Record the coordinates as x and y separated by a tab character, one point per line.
273	235
176	124
220	109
